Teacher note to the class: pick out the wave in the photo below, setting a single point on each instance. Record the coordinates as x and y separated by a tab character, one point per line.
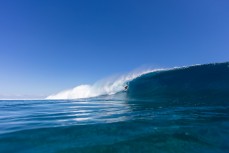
199	82
211	80
102	87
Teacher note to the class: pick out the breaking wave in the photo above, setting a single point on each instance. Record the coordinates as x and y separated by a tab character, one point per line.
198	81
103	87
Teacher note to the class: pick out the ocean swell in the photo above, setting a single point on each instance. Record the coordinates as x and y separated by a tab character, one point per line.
200	82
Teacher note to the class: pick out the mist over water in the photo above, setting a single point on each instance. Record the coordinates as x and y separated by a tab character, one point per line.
103	87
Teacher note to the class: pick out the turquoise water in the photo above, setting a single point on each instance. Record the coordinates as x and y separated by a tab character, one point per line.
179	111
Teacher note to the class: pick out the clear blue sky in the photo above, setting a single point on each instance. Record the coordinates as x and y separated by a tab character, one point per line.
50	45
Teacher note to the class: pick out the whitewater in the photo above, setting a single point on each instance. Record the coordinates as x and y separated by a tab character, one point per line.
102	87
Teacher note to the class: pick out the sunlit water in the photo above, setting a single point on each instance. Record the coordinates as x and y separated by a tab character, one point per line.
106	125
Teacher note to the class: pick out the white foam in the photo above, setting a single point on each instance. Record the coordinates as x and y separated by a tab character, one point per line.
104	87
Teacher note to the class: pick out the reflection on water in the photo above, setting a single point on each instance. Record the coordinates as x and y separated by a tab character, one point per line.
114	125
19	115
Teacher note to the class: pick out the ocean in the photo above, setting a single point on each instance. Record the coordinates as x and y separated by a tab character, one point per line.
180	110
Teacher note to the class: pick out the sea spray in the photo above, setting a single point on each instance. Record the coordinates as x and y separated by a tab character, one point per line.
102	87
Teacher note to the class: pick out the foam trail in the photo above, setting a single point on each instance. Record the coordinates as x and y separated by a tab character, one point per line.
107	87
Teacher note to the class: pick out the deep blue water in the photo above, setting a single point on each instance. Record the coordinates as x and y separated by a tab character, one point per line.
174	111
